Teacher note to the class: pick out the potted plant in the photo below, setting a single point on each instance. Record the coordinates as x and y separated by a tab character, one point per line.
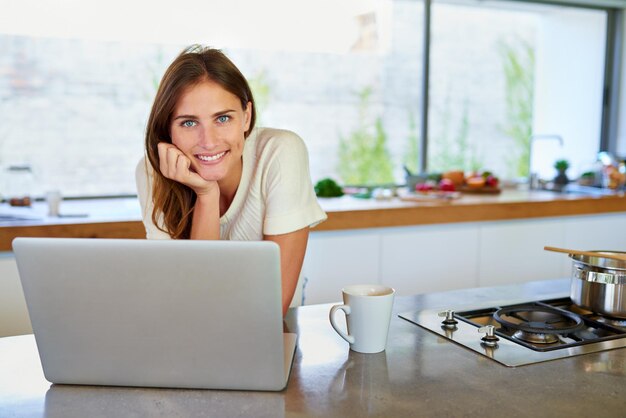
561	167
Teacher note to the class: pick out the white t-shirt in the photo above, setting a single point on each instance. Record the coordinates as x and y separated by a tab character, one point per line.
275	195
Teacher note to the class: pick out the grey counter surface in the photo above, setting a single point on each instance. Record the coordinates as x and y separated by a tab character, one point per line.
420	374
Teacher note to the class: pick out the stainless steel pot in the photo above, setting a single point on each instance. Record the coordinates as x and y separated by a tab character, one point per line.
599	284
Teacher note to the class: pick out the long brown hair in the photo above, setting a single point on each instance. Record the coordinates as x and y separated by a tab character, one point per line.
173	201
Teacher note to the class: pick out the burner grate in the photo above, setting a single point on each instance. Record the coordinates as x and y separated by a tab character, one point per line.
542	326
538	324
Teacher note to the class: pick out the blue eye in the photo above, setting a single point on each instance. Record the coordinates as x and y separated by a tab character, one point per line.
223	119
188	123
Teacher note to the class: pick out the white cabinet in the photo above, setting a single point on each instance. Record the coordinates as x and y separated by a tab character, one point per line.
412	260
429	258
607	232
336	259
512	251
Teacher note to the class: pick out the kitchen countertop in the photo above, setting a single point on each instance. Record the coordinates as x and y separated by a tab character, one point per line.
420	374
120	218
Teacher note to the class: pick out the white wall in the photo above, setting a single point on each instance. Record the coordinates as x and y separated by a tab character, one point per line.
568	89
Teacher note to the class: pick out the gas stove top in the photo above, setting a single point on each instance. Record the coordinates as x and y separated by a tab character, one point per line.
525	333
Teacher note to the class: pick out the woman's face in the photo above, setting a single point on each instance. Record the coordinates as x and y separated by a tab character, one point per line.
208	126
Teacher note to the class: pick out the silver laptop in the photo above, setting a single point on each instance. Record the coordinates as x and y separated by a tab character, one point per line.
179	314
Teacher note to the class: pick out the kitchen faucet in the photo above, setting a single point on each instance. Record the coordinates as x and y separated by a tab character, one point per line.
533	178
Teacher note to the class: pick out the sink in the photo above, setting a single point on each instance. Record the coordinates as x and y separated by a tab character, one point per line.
15	218
574	188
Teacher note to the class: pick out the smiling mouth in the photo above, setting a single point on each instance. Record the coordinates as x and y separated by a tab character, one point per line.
211	158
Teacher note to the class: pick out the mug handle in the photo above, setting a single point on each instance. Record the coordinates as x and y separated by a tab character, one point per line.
331	316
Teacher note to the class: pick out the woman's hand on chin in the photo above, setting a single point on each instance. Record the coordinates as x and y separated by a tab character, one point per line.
175	165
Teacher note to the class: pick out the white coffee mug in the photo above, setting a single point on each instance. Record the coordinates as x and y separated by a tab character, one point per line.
368	312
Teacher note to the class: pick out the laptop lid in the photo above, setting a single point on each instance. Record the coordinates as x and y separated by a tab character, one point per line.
165	313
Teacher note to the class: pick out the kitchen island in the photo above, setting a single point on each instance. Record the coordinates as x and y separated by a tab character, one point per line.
420	374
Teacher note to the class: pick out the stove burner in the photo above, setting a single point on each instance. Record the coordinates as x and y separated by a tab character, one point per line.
616	322
536	338
537	324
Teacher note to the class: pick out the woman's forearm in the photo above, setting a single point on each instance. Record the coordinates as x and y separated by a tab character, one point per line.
292	249
205	223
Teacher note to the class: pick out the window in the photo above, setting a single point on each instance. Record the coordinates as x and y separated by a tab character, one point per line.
511	78
77	79
76	94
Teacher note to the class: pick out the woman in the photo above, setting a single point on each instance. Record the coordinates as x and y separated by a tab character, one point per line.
213	175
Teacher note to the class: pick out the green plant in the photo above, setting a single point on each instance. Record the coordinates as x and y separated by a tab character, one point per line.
411	156
328	188
561	165
363	155
518	63
454	153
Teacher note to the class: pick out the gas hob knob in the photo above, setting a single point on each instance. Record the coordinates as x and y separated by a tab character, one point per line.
449	321
490	339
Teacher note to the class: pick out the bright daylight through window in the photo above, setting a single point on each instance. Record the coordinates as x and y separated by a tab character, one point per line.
503	73
345	75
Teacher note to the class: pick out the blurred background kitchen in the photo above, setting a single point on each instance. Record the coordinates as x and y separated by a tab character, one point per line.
375	87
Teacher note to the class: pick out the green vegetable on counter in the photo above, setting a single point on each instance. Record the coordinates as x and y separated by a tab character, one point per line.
328	188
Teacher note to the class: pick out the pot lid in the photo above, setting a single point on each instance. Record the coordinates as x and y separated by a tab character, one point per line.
600	261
